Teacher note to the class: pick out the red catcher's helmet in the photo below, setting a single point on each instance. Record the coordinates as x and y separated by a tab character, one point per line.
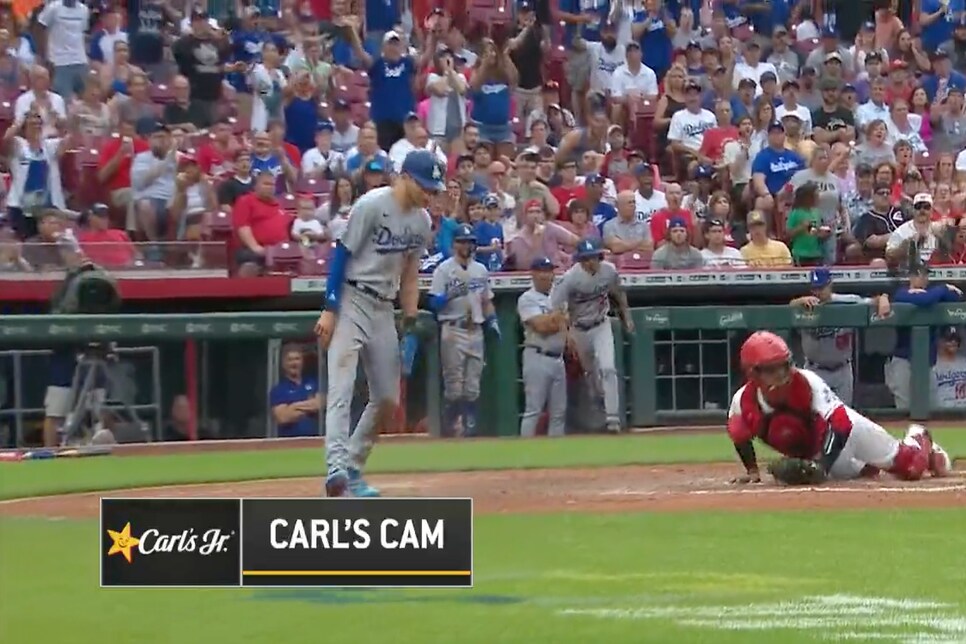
764	348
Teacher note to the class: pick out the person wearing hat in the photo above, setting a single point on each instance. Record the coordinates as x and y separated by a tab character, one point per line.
743	102
625	232
375	174
345	133
489	233
193	196
447	89
375	261
414	134
790	105
921	294
774	165
569	188
105	246
956	46
717	253
832	122
544	343
948	376
918	236
530	187
752	67
785	60
579	294
875	226
322	162
152	179
828	351
830	44
687	128
631	83
949	129
943	76
677	253
809	95
391	77
202	57
761	251
268	82
872	66
795	138
901	82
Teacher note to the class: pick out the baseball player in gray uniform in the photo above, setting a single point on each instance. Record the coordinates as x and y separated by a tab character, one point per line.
828	351
585	291
376	259
545	338
461	296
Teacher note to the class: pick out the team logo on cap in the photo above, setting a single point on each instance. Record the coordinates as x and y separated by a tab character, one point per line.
437	174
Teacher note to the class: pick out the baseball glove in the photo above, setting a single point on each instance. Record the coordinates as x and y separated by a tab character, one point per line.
797	471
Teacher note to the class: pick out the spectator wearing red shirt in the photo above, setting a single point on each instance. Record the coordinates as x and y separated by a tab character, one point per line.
276	134
712	145
899	85
114	167
215	155
662	218
569	189
259	223
103	245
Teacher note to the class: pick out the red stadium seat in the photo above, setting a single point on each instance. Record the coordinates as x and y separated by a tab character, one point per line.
315	187
360	113
353	93
313	267
284	258
161	94
635	261
221	228
289	202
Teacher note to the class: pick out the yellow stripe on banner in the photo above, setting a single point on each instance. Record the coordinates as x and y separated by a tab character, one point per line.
356	573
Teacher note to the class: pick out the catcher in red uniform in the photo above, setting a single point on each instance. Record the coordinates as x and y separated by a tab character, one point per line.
794	412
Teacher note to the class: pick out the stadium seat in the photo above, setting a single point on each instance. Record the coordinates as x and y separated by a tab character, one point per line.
634	261
284	258
317	187
288	202
352	93
313	267
360	113
161	94
220	225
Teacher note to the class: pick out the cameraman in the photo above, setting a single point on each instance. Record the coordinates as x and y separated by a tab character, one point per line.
57	400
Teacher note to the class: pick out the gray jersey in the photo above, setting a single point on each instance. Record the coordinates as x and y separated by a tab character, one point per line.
586	296
466	289
827	347
668	257
627	231
379	236
531	304
829	198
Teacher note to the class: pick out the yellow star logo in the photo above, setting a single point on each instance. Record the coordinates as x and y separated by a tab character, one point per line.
123	542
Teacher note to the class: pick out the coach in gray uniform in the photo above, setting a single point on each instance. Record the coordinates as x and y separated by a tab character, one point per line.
461	296
585	291
545	337
828	351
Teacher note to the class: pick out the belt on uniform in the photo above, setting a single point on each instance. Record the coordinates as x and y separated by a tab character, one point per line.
462	323
368	290
588	326
826	367
550	354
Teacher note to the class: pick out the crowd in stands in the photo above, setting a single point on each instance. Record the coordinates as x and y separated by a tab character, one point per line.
686	134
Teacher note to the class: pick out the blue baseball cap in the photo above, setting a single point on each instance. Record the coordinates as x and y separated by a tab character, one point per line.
422	167
376	165
820	278
642	168
588	248
541	264
491	201
411	116
325	126
596	179
703	172
677	222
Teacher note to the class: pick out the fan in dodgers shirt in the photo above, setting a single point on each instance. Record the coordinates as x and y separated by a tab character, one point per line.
948	381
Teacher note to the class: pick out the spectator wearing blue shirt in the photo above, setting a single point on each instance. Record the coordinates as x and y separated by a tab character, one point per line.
101	48
490	89
943	76
600	211
391	92
918	293
654	28
295	399
489	234
275	162
773	167
246	47
937	19
366	149
766	15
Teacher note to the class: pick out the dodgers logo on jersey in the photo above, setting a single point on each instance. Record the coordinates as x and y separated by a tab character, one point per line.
387	242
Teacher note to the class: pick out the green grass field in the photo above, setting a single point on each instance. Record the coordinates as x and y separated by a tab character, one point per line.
877	575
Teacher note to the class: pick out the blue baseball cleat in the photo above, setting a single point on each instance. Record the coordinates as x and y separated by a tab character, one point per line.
336	484
358	486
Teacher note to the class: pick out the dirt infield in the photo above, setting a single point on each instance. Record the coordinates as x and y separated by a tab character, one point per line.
615	489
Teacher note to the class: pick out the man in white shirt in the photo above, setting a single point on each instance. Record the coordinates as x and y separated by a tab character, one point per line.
152	178
647	200
322	162
50	105
686	132
345	133
631	80
415	138
790	106
102	42
752	67
875	109
605	57
920	228
717	253
66	21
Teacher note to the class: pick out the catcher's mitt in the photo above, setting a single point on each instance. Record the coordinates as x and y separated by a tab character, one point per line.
797	471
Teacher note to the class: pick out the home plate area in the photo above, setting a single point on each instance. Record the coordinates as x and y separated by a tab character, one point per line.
832	618
667	488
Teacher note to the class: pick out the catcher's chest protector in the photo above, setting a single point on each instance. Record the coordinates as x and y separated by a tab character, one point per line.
791	428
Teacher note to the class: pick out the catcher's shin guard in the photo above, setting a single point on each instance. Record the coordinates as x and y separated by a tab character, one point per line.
912	459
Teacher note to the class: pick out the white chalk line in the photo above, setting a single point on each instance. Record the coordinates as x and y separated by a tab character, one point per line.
935	489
